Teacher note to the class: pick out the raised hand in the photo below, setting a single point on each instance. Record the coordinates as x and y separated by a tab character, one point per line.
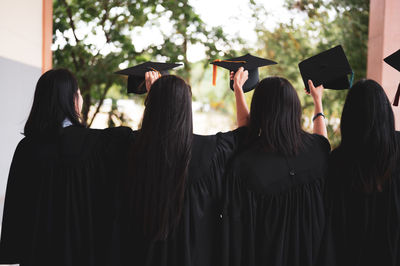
150	77
239	78
315	92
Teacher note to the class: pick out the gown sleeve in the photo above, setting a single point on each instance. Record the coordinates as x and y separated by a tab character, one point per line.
226	145
116	149
118	138
13	232
324	142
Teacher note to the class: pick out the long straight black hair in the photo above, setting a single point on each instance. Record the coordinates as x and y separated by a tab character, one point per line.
275	117
369	136
54	100
160	157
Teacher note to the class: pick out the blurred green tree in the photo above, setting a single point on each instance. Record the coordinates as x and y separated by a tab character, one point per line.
80	24
325	23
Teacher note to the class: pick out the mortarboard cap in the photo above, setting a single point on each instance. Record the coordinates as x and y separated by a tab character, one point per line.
394	61
136	82
329	68
249	63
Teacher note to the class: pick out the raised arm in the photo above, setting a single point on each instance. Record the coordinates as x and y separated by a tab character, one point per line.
242	111
319	117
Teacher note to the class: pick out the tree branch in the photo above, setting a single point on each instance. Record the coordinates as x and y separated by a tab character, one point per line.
112	23
104	19
74	59
102	97
72	25
71	21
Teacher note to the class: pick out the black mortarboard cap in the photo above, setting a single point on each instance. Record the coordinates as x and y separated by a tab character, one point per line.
136	82
329	68
248	62
394	61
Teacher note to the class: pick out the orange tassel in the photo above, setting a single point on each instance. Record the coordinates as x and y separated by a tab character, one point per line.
214	79
158	72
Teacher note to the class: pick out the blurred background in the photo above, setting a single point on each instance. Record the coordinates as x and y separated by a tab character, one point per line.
95	38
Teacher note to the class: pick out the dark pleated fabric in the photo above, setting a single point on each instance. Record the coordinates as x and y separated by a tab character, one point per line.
364	229
58	206
197	239
273	208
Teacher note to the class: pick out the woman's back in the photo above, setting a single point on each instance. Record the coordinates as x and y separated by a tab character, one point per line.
365	226
274	211
362	199
170	207
58	204
196	239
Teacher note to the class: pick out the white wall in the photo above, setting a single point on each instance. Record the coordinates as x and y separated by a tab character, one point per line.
20	68
21	31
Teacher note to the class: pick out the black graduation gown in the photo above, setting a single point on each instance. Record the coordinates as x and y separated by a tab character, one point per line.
58	204
273	208
364	229
196	240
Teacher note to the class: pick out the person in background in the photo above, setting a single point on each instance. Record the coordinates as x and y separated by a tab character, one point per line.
171	199
363	188
273	205
58	203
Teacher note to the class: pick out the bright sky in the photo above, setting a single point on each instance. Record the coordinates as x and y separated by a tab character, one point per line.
234	16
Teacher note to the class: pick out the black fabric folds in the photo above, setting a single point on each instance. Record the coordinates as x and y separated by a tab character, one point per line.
273	208
58	207
364	228
197	239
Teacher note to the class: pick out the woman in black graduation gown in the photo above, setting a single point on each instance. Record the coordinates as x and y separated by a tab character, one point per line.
273	211
57	206
364	182
171	200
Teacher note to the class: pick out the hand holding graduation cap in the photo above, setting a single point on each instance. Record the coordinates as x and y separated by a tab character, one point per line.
150	77
242	111
315	92
239	78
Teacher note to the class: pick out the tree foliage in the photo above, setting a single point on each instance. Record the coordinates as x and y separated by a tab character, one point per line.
315	25
78	24
325	23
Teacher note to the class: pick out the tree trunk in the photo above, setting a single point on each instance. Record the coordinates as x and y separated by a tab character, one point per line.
87	102
186	67
101	101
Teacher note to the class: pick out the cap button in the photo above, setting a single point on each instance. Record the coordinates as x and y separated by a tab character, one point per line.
292	173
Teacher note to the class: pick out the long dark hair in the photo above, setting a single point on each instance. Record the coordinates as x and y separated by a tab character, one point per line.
160	157
54	100
368	135
275	117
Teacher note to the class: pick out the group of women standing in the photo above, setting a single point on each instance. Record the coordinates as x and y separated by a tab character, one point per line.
266	193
